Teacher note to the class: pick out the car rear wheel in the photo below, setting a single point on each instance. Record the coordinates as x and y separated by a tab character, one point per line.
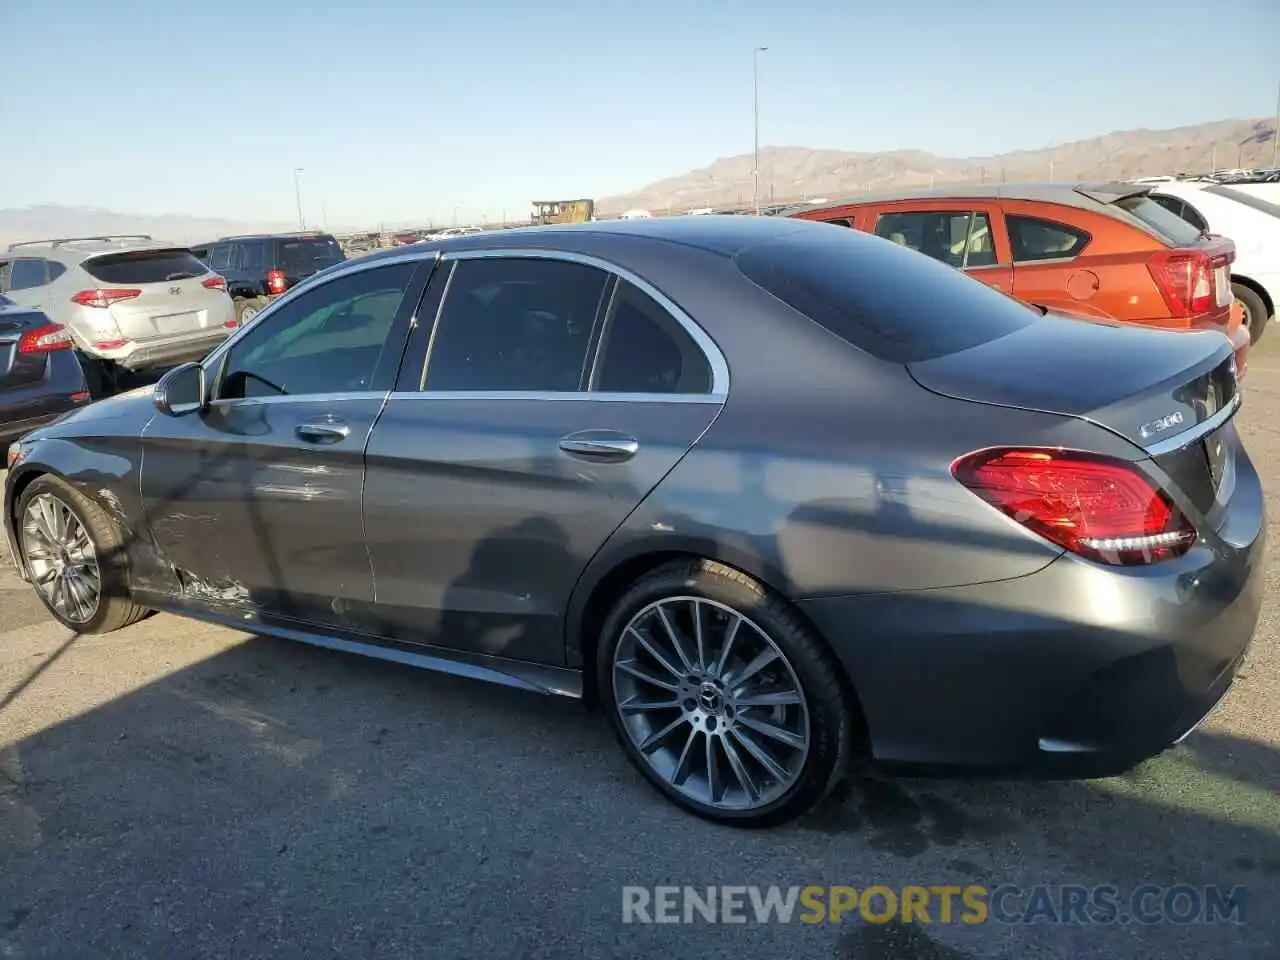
723	697
1255	310
246	310
74	554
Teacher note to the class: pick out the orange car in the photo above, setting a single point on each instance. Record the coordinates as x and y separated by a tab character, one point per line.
1095	250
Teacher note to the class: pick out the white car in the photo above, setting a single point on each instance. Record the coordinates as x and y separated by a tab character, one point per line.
1248	219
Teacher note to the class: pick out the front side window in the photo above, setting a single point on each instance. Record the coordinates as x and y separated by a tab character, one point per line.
1034	239
327	340
840	222
645	349
515	324
959	238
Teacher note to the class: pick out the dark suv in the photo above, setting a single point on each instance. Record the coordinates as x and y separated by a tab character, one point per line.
260	267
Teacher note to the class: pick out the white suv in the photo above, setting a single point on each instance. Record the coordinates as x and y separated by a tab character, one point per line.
1252	222
130	303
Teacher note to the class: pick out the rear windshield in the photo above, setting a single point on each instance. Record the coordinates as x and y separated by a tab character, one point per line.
892	302
145	266
307	256
1166	224
1248	199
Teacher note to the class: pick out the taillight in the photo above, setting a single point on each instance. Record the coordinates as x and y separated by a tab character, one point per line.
1185	280
275	281
103	298
45	339
1097	507
214	283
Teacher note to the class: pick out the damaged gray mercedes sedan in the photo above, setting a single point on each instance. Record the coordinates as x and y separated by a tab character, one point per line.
778	497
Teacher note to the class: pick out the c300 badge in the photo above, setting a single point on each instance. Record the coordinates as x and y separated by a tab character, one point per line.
1168	421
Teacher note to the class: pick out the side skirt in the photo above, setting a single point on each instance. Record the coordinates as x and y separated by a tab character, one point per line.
530	677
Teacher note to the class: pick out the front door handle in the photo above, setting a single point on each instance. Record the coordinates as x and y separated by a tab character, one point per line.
601	445
326	430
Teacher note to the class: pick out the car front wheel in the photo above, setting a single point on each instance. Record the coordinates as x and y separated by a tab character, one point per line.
73	552
723	697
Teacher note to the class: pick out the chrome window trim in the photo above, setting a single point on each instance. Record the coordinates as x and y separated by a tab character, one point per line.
551	395
350	267
1198	432
719	366
336	397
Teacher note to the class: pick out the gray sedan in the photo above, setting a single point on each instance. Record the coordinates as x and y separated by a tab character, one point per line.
779	497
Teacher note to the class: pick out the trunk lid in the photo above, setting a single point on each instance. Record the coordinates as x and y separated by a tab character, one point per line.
171	299
1158	389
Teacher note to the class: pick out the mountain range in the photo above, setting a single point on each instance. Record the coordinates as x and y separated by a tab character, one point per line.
786	174
800	173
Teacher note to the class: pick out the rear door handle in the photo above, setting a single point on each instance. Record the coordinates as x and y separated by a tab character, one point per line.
607	446
325	430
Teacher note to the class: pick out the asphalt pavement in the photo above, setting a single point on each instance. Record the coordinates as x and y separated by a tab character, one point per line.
182	791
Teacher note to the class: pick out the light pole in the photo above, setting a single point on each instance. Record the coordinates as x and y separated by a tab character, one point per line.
755	116
1275	131
297	195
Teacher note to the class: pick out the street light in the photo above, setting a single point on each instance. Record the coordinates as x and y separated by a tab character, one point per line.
297	195
755	115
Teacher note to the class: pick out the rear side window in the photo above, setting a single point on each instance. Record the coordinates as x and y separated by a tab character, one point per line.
28	273
145	266
219	258
645	350
309	254
881	298
959	238
1034	239
1167	226
840	222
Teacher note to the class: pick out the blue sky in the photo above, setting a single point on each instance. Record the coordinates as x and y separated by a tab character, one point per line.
405	110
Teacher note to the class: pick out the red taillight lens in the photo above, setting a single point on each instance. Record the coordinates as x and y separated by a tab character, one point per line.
45	339
1097	507
103	298
1185	280
214	283
275	281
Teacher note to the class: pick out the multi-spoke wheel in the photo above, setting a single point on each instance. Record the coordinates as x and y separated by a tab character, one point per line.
61	558
722	697
73	554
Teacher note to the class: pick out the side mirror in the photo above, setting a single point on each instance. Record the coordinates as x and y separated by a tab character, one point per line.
181	391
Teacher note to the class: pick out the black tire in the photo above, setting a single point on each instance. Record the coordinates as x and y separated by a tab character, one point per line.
834	729
251	305
100	376
116	608
1255	310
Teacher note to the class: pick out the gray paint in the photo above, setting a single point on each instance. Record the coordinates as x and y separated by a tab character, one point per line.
454	529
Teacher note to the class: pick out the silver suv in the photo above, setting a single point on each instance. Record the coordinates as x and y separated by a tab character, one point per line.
130	302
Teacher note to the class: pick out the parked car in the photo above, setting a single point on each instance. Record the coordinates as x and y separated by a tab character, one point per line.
261	267
1105	250
130	303
40	377
776	495
1252	223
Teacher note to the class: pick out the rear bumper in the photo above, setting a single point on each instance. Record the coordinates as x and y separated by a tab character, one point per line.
149	354
29	407
1077	670
1240	338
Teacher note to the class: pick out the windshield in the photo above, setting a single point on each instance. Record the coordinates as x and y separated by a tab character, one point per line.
310	255
1168	226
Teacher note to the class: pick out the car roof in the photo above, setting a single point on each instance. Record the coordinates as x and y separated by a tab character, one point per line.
1084	195
74	249
721	234
294	235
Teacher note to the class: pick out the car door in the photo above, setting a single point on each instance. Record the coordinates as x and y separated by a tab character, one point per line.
257	500
555	396
961	234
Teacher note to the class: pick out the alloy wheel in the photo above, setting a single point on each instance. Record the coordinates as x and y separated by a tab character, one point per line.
711	703
61	558
247	314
